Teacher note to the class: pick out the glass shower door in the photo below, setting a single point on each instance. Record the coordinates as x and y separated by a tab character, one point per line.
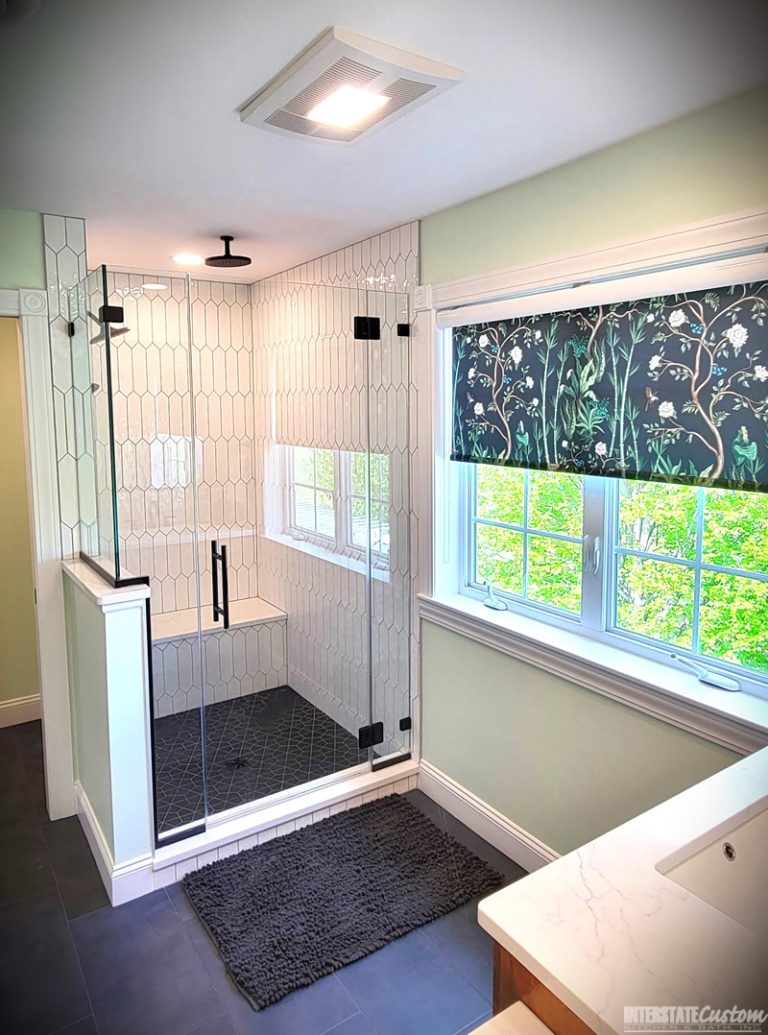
389	517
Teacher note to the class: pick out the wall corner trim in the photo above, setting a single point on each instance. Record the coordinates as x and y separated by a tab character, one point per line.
517	844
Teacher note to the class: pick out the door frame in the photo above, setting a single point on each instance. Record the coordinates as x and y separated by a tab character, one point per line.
30	307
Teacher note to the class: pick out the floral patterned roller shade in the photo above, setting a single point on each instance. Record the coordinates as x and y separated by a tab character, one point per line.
672	388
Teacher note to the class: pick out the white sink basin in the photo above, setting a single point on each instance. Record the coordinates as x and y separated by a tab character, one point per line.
727	868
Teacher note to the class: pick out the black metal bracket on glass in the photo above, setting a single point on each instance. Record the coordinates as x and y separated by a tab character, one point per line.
220	557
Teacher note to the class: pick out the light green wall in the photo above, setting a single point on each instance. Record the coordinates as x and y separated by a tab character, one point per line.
18	644
695	168
21	249
562	762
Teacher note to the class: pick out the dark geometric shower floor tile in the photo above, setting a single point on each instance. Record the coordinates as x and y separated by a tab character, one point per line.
254	746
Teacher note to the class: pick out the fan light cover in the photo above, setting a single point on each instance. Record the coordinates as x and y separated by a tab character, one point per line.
344	84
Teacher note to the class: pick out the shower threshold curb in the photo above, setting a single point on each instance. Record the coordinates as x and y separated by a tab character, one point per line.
230	833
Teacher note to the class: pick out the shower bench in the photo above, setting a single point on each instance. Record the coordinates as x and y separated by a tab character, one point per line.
248	657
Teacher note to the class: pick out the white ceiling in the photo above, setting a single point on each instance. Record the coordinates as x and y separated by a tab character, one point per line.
125	111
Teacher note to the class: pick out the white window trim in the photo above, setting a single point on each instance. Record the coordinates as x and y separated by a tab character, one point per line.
697	257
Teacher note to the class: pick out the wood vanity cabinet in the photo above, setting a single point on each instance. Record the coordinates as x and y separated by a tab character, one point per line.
513	983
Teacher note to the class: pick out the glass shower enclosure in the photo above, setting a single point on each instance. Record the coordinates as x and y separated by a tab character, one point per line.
245	449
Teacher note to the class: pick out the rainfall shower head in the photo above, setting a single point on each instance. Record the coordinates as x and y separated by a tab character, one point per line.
227	261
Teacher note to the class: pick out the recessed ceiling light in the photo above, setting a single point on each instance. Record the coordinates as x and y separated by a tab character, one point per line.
155	287
188	259
347	107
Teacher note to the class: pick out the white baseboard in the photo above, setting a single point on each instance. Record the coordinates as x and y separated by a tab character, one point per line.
20	709
517	844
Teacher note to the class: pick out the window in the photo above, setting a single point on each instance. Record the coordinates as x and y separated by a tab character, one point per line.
526	536
659	568
312	487
327	501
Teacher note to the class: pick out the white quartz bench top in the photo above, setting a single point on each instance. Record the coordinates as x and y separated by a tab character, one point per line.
171	625
515	1020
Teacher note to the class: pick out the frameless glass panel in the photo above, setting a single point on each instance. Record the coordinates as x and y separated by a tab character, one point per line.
156	454
84	388
94	441
388	515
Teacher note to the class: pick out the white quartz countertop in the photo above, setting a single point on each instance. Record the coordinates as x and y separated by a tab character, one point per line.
602	928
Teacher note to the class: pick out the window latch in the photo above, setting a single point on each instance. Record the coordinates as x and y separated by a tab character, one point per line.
585	552
492	601
591	554
708	676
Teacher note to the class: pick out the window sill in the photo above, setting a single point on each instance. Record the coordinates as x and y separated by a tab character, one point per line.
326	554
738	721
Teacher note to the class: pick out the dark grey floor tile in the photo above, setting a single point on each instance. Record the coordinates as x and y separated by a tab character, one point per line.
76	873
142	971
24	866
220	1026
407	988
87	1026
180	902
464	945
41	987
357	1025
309	1011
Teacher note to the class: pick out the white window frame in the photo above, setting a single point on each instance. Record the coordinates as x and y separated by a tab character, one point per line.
600	554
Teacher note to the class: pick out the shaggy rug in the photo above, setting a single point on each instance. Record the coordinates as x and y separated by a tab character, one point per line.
303	905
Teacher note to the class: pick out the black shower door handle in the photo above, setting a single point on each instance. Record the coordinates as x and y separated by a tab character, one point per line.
219	557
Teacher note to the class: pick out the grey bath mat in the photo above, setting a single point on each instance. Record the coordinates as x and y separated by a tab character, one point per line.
298	907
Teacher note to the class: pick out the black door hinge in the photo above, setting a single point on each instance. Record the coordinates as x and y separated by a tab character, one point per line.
368	736
403	330
70	328
405	724
111	314
367	328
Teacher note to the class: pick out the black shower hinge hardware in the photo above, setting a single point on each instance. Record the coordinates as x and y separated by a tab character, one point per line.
405	724
111	314
369	736
403	330
70	328
367	328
